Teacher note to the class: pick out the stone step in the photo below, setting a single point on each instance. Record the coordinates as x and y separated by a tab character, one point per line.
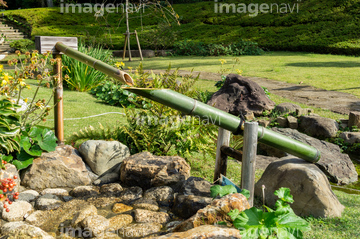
13	34
7	28
6	31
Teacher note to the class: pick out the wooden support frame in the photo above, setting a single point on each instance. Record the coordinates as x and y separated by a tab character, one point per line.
221	158
127	43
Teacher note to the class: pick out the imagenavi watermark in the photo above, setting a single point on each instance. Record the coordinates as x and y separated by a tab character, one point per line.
253	9
99	9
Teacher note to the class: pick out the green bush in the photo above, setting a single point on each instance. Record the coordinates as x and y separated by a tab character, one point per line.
21	45
161	37
81	77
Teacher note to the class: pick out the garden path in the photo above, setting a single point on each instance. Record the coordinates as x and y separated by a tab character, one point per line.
335	101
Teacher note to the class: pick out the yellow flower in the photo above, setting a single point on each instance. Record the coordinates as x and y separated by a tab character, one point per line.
28	87
222	61
22	83
239	71
119	64
26	100
7	77
129	67
3	82
1	68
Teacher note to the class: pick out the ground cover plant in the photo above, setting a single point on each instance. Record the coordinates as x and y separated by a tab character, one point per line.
312	26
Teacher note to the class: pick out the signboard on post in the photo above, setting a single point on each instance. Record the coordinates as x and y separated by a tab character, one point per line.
47	43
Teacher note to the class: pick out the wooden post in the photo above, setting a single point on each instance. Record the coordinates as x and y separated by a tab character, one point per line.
58	100
138	43
249	158
221	158
124	52
127	27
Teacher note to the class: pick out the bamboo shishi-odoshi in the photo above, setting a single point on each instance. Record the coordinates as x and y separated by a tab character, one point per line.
193	107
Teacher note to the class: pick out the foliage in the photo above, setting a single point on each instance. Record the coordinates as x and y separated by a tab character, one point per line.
81	77
221	191
157	128
223	71
33	143
21	45
113	94
279	223
9	126
160	37
189	48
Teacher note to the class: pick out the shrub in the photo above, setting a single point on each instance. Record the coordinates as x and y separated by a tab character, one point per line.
189	47
81	77
161	37
21	45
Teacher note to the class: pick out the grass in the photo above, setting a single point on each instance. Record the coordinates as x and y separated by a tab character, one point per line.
318	26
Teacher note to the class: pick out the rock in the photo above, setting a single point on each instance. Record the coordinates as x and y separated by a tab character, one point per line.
28	195
282	121
85	191
111	189
48	202
350	137
147	170
241	95
337	166
215	212
187	206
103	156
147	204
120	208
120	221
23	230
18	210
101	202
318	126
263	161
171	225
264	123
38	218
204	232
305	111
107	178
146	216
309	186
163	195
89	210
354	119
343	123
61	168
286	107
196	186
293	122
96	225
130	194
139	229
9	172
55	191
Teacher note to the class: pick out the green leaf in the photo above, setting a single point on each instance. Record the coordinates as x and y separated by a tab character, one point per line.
233	214
222	190
25	143
284	195
7	158
22	164
49	140
245	192
36	134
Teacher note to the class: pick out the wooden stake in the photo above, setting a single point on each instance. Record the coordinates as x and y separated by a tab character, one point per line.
249	158
124	52
221	158
138	43
58	100
127	27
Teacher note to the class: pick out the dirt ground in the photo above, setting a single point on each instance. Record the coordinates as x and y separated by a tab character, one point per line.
335	101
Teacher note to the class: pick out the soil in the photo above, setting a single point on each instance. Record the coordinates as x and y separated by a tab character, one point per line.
338	102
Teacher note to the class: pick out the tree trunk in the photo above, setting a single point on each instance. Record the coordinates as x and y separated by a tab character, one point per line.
50	3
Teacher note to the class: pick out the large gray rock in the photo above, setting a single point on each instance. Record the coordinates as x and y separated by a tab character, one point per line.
23	230
318	126
146	216
337	166
139	230
350	137
309	186
96	225
241	95
163	195
103	156
48	202
147	170
61	168
204	232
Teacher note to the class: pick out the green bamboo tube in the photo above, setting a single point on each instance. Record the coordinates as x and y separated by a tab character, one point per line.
122	76
227	121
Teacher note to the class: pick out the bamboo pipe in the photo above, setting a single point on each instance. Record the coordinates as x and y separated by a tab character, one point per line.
227	121
96	64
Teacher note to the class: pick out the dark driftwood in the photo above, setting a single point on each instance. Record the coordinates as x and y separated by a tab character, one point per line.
235	154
